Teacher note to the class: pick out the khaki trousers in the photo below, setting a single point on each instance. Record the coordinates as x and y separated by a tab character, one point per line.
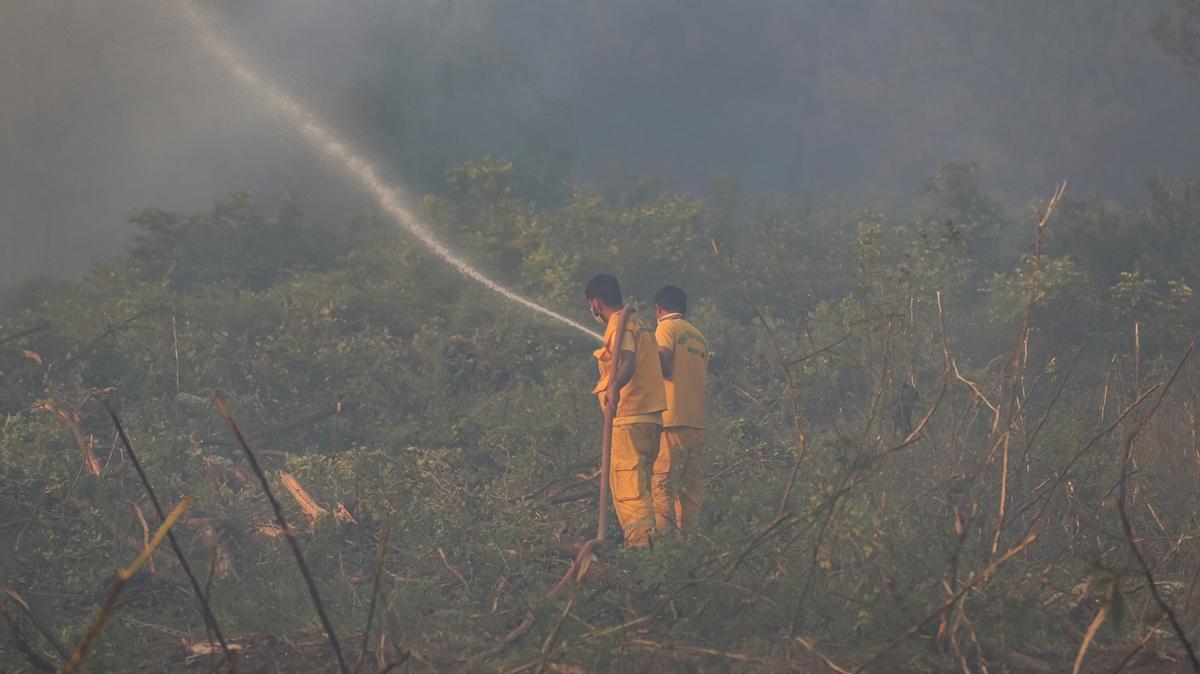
634	448
678	480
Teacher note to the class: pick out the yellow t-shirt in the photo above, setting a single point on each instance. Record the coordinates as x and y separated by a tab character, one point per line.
688	384
643	398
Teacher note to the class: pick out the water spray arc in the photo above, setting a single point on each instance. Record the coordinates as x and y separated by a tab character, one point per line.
338	151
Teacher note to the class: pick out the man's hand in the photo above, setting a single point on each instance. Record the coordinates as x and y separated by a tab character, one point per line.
612	398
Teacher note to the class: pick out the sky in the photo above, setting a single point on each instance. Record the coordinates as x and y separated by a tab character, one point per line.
112	105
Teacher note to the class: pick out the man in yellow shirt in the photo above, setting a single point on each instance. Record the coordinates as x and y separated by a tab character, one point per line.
678	480
640	400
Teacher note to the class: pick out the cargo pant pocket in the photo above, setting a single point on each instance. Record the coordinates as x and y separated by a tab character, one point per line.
625	484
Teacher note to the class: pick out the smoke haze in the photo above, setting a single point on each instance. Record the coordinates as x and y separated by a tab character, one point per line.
112	106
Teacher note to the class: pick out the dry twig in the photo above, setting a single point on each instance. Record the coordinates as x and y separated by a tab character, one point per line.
37	623
39	663
123	577
981	578
201	595
377	572
287	532
1128	527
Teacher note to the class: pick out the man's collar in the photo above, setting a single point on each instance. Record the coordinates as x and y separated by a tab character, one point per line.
611	324
670	316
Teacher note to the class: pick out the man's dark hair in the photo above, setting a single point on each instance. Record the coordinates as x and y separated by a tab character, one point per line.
604	287
671	299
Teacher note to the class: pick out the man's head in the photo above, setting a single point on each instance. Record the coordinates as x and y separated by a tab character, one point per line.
603	295
670	300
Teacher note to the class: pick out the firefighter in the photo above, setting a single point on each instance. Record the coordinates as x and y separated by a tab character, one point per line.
678	479
639	397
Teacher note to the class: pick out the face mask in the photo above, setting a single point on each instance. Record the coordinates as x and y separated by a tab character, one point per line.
599	318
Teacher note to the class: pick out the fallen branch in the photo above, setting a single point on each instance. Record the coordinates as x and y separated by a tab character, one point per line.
307	503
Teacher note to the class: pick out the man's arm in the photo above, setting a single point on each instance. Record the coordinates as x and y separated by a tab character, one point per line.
624	374
624	371
665	336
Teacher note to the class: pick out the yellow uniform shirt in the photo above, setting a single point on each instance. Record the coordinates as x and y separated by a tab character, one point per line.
644	398
688	384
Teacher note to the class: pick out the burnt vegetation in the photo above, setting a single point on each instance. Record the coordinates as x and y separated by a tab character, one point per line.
961	440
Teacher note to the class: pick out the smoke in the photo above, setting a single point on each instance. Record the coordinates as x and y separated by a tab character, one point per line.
336	149
109	107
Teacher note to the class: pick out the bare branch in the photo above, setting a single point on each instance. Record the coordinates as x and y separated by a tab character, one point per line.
287	532
123	577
